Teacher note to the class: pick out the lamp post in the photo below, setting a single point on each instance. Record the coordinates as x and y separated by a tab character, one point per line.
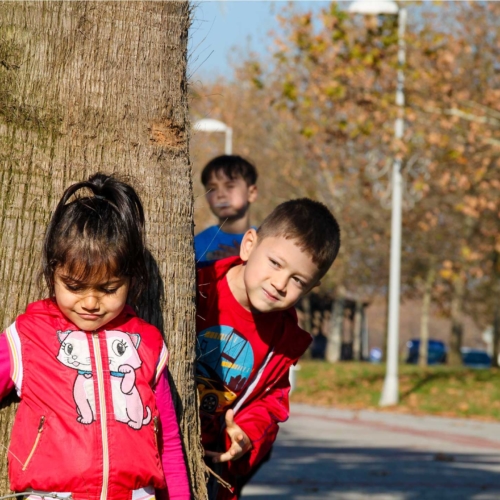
390	391
211	125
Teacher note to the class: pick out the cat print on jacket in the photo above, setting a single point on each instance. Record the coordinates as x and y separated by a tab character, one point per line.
123	358
74	353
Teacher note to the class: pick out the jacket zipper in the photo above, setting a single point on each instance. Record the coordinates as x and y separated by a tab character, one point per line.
38	436
102	406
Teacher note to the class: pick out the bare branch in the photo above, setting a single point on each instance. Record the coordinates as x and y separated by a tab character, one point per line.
464	115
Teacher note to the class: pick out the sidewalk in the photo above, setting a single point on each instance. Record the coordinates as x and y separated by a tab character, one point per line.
324	453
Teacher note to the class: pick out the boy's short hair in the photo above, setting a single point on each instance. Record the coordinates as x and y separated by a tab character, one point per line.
311	223
232	166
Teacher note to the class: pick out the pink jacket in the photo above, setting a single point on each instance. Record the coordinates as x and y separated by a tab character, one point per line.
87	404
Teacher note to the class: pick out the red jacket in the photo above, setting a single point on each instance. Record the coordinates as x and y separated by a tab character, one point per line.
87	420
264	403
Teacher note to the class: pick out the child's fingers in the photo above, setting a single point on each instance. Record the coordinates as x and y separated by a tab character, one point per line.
232	454
213	454
238	439
222	457
229	418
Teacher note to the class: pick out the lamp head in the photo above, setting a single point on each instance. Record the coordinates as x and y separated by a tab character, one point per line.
210	125
374	7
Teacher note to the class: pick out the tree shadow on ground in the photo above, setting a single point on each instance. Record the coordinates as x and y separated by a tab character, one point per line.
304	469
421	383
459	376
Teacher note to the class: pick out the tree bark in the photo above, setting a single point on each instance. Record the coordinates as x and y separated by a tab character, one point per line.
334	345
101	86
365	337
457	325
423	350
357	328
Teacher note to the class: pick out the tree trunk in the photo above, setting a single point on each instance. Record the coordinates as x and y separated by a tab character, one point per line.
365	337
424	319
357	328
457	326
101	86
334	344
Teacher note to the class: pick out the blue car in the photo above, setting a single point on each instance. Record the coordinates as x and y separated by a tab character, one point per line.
436	352
475	358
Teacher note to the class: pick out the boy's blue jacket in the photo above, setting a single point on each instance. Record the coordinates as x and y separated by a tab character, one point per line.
211	240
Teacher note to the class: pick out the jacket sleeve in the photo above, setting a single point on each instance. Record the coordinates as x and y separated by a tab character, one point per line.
259	420
6	382
172	456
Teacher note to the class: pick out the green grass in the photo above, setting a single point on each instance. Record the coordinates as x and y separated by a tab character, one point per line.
436	390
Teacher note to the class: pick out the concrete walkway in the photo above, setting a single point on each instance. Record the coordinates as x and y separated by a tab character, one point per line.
325	453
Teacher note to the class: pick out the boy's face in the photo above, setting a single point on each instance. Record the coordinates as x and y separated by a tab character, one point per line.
229	198
277	272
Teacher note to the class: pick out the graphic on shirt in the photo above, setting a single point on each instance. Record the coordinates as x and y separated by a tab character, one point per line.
123	358
74	353
225	360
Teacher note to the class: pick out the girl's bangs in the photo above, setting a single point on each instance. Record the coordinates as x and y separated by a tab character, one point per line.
93	265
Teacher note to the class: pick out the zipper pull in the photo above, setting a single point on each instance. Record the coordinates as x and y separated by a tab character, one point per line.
155	424
40	425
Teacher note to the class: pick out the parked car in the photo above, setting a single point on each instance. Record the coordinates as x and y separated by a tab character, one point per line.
475	358
436	352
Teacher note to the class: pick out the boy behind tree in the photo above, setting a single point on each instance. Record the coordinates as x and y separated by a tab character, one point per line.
230	183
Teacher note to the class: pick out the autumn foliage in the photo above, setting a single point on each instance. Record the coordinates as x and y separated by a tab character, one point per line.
317	117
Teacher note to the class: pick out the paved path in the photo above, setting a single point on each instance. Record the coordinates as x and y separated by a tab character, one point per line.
325	453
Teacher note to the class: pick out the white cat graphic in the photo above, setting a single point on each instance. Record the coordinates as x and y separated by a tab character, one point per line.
123	361
74	353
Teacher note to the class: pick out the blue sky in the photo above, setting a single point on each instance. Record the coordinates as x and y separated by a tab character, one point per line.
223	29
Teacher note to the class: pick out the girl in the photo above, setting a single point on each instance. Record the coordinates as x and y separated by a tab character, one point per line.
89	425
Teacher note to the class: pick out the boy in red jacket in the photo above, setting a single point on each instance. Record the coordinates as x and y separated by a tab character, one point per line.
248	336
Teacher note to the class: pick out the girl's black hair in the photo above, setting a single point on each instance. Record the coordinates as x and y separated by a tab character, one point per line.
98	236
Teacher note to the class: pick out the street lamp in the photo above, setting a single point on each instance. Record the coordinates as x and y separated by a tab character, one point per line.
390	392
211	125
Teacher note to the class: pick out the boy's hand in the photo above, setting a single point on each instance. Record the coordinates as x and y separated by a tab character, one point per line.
240	443
226	251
